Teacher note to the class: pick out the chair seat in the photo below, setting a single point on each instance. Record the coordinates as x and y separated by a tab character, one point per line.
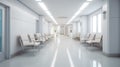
84	39
92	41
36	43
29	44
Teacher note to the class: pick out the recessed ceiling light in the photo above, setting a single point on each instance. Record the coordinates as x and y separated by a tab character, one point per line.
85	4
44	7
62	17
89	0
38	0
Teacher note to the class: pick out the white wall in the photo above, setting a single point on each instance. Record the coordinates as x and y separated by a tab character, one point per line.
84	25
22	21
50	26
40	24
83	29
105	30
45	26
69	28
74	30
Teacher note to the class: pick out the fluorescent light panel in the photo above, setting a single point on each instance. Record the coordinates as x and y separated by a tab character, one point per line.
79	11
38	0
44	7
89	0
50	15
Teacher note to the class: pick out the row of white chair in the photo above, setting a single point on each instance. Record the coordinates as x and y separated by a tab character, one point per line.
93	39
33	40
76	36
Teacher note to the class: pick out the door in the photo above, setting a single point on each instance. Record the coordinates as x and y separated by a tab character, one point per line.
2	15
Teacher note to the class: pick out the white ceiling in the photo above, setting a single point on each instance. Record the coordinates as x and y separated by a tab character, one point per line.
63	10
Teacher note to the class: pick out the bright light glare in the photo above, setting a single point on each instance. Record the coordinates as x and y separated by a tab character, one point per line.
79	11
89	0
50	15
99	23
94	22
94	63
44	7
84	6
38	0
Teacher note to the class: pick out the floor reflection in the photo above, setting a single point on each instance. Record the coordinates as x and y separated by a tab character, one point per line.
63	51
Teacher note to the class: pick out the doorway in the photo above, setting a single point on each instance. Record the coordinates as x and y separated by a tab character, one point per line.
2	21
4	32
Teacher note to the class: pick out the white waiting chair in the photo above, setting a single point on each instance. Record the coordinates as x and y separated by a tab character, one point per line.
84	39
25	42
32	39
97	40
46	36
39	37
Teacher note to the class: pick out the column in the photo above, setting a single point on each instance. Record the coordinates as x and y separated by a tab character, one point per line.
111	28
39	25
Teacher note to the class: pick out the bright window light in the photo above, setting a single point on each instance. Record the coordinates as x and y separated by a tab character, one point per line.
79	11
99	23
94	22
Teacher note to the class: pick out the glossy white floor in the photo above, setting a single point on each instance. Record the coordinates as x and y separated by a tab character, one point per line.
62	52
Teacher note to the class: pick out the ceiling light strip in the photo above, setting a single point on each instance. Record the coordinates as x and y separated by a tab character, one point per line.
85	4
44	7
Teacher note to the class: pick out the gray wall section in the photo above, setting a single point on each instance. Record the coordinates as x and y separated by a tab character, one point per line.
114	32
105	29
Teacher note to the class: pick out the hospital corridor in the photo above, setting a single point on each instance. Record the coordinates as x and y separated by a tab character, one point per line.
59	33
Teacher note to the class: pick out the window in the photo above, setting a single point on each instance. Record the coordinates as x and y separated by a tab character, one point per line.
99	23
94	22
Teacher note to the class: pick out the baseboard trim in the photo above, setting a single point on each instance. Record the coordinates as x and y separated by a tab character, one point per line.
111	55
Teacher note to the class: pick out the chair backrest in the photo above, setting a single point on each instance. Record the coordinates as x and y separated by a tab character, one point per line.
78	34
42	34
24	40
91	37
38	36
88	35
98	37
31	37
